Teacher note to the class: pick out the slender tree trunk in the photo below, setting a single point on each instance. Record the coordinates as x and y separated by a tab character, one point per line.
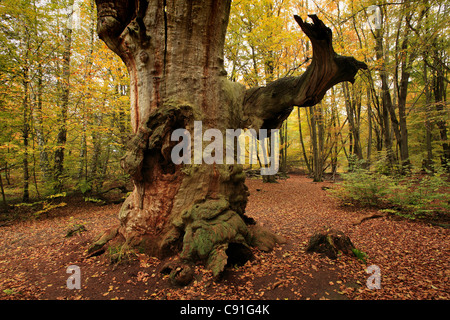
8	173
38	118
335	132
4	203
26	126
305	157
82	167
428	163
285	148
95	162
282	151
82	164
64	99
25	136
39	128
402	95
385	99
34	168
267	151
269	70
439	90
352	115
317	169
320	140
376	114
369	129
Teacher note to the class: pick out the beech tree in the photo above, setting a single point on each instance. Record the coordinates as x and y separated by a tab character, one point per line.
174	54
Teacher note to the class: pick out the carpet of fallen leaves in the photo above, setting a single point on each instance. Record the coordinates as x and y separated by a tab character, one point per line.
413	257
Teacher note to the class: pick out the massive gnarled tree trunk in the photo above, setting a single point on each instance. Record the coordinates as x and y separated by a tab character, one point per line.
174	54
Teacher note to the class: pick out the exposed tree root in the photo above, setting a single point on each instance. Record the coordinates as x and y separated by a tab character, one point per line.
98	246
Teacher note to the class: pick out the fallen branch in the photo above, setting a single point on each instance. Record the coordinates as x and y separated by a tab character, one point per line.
122	189
369	216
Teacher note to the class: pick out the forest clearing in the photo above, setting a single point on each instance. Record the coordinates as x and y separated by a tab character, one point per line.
412	256
224	150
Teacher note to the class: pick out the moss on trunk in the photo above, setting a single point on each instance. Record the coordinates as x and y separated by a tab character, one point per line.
174	55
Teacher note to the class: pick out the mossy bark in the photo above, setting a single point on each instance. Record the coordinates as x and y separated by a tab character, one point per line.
173	51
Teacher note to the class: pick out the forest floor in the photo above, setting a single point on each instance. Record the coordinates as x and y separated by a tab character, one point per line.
413	257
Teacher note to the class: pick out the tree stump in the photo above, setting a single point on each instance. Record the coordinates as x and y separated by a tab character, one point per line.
330	242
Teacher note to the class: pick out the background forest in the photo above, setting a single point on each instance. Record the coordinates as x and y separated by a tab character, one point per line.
64	97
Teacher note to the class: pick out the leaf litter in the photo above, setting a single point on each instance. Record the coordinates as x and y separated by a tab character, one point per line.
412	257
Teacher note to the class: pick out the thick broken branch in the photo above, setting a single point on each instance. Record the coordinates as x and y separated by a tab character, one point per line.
113	16
267	107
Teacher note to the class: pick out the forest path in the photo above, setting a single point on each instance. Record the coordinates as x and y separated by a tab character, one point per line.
412	257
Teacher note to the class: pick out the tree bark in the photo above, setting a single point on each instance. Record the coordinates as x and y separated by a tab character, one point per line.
26	127
316	163
369	128
305	157
174	54
406	65
427	163
386	100
4	203
353	106
64	99
334	135
39	129
82	166
439	90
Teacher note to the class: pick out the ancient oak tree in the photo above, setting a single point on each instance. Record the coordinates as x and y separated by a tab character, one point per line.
174	54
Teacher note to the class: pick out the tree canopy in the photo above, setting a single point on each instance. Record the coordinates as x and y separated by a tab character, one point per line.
394	115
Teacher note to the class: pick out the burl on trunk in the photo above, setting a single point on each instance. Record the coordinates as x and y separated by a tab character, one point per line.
174	54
